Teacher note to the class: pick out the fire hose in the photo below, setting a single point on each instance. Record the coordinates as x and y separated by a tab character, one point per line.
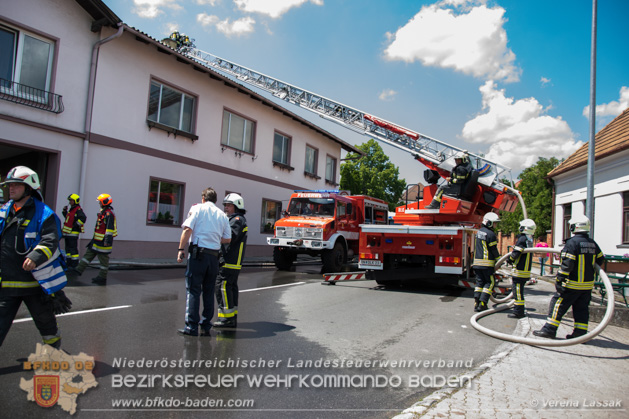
509	302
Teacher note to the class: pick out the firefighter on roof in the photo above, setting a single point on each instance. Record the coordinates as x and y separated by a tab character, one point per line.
102	243
575	280
231	262
485	257
459	175
72	227
521	265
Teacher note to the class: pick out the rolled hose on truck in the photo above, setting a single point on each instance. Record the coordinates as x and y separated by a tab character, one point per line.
609	312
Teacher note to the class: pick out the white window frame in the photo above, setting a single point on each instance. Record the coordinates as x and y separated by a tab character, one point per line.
249	126
314	164
182	102
18	58
286	148
330	177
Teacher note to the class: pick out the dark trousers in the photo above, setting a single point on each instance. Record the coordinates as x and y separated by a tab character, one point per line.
41	313
200	280
518	294
103	260
579	300
227	293
484	284
72	250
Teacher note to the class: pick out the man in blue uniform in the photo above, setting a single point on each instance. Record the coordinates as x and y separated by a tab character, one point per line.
204	230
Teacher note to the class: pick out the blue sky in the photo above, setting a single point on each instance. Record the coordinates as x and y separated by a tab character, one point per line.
506	78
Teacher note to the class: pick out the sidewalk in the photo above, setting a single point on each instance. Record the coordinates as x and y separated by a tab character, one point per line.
522	381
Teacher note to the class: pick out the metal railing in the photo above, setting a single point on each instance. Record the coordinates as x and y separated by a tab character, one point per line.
30	96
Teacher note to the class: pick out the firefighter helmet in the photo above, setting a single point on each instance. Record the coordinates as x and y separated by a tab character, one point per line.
579	224
528	226
463	156
22	174
236	200
74	197
490	219
105	199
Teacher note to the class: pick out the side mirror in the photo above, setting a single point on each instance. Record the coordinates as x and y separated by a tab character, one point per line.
284	213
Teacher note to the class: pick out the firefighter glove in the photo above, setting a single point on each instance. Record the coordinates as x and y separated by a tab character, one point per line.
559	286
108	241
60	303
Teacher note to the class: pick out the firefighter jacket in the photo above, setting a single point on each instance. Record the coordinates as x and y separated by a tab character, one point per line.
486	248
74	223
460	173
521	261
578	262
105	231
33	232
233	252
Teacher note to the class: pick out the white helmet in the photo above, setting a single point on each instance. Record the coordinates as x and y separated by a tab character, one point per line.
579	224
22	174
236	200
490	219
527	226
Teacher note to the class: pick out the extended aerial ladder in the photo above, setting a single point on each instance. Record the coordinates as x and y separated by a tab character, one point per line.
429	151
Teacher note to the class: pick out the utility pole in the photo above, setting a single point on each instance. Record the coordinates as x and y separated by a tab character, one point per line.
589	210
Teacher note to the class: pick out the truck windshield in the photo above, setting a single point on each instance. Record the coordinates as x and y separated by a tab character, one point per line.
322	207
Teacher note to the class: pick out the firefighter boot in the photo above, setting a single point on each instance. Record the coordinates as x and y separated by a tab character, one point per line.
433	205
99	281
576	333
482	306
228	322
476	303
546	332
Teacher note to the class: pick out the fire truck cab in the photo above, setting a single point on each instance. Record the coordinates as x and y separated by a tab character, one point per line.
324	223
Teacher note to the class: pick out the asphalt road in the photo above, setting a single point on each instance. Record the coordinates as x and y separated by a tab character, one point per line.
302	349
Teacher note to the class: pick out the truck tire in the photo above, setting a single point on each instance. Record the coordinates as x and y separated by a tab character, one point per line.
334	259
283	259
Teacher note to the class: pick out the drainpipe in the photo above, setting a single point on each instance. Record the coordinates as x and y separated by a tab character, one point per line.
90	105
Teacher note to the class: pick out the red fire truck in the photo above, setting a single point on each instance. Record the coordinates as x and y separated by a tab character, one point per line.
422	242
324	223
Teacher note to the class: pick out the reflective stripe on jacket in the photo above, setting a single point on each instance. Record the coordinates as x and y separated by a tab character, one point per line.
486	248
521	261
105	231
50	275
74	222
234	251
578	262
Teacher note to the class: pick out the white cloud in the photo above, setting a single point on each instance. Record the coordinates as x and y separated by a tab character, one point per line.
518	132
545	81
208	2
613	108
387	95
272	8
464	35
238	27
152	8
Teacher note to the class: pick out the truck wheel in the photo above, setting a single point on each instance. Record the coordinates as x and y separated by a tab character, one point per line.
334	259
283	259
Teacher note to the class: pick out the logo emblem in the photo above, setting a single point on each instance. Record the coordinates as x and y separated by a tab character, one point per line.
46	390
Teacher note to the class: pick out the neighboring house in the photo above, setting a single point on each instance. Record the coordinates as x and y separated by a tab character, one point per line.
118	112
611	188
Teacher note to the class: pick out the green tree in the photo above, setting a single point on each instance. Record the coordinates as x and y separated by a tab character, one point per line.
372	174
537	195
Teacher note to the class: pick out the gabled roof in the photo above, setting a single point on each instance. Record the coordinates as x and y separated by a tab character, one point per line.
610	140
102	15
166	49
